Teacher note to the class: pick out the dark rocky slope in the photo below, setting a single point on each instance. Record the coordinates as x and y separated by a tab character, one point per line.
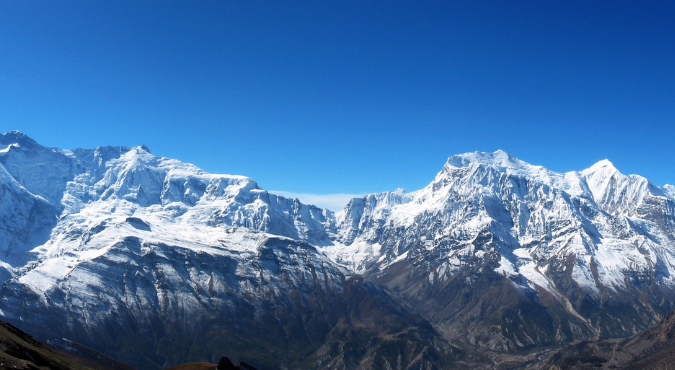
19	350
652	349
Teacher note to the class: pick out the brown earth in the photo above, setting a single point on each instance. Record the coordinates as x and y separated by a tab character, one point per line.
19	350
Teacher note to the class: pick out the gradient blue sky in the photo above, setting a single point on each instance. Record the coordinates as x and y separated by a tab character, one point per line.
327	97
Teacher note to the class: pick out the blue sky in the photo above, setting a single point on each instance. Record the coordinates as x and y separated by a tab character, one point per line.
346	97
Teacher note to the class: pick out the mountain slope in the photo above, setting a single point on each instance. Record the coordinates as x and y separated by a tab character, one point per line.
19	350
156	263
513	256
653	348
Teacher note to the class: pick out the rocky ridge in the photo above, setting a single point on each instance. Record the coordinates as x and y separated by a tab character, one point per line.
513	256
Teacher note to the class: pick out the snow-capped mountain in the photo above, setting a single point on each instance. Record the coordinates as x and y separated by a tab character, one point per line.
156	262
532	256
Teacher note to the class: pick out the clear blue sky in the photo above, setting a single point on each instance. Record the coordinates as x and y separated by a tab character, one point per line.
331	97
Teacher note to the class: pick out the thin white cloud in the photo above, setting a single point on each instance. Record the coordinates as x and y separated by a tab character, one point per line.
334	202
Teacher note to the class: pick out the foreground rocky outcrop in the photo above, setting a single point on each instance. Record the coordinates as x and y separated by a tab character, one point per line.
19	350
224	364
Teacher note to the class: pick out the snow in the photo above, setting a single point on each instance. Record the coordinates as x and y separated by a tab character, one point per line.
558	215
478	206
669	190
354	255
8	148
182	206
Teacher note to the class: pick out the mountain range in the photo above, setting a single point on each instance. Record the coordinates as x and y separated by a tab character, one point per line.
155	262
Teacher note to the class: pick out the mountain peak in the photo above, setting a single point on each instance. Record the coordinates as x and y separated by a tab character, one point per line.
603	169
17	137
603	164
499	160
14	133
138	151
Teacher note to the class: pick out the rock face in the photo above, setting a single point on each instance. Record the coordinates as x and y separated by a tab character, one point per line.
156	262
